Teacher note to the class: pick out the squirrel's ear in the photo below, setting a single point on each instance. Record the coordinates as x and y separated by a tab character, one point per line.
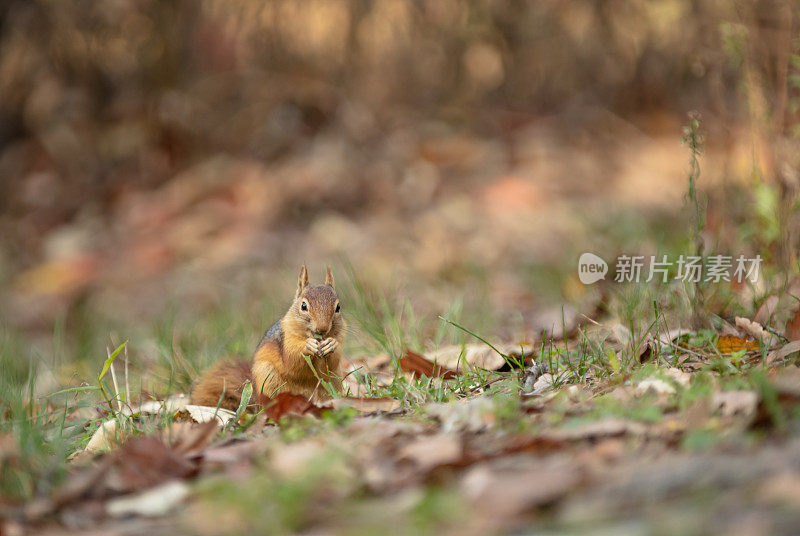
329	277
302	281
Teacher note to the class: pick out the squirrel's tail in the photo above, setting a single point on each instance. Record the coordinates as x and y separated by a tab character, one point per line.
224	381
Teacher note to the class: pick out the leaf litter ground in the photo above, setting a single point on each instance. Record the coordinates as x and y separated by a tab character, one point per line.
701	435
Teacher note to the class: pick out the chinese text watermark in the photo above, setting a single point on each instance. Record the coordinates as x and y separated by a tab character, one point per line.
688	268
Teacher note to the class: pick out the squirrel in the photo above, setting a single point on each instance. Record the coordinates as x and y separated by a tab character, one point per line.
312	328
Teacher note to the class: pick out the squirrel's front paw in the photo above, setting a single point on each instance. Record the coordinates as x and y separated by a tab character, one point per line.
328	346
312	347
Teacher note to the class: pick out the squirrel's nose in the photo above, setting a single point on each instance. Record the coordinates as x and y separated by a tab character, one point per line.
321	330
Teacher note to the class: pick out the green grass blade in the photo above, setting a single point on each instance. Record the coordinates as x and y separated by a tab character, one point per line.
110	360
247	392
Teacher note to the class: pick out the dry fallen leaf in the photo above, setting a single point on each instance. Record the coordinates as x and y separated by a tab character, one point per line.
203	414
156	501
680	377
169	405
516	488
190	438
417	364
671	335
428	452
144	462
74	488
730	403
787	383
288	405
755	330
654	385
482	356
610	427
551	380
793	326
727	344
766	310
367	405
775	357
105	437
782	489
289	462
471	414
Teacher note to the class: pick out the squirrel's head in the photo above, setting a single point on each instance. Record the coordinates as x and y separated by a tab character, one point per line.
317	307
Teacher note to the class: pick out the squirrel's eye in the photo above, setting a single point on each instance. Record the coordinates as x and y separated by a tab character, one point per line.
304	306
337	308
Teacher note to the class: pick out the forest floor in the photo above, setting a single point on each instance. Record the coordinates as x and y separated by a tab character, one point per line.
674	433
597	416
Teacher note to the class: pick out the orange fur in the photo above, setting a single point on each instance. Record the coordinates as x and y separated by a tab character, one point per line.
224	380
275	372
280	366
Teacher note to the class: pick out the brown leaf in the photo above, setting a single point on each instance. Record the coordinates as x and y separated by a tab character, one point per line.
288	405
777	356
458	358
730	403
146	461
782	489
291	462
766	310
367	405
610	427
233	452
509	489
432	451
75	488
414	363
156	501
105	437
754	330
793	326
646	352
190	438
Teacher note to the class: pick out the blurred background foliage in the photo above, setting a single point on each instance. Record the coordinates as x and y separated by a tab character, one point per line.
180	159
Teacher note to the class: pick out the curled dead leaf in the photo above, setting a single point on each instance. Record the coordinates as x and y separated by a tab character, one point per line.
105	438
417	364
288	405
755	330
203	414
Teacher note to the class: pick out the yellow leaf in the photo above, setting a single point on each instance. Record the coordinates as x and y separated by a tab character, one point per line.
727	344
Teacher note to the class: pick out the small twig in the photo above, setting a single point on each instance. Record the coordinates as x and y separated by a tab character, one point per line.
672	344
595	322
777	334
